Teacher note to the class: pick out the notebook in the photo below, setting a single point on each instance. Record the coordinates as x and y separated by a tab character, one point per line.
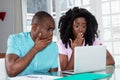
88	59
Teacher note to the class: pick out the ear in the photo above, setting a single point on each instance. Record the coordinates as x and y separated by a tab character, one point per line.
34	26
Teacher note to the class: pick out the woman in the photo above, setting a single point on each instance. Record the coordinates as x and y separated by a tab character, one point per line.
78	27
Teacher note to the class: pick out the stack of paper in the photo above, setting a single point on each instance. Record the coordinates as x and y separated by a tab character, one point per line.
34	77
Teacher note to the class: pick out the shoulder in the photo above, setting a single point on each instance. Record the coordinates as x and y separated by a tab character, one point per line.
97	41
60	43
62	49
52	45
19	35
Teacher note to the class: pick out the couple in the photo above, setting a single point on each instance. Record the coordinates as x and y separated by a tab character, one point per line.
31	52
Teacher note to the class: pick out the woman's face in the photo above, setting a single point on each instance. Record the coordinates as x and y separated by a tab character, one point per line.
79	26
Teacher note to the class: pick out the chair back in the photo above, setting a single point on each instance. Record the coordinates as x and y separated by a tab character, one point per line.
3	73
59	69
2	55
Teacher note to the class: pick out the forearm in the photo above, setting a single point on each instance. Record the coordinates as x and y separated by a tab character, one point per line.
18	65
70	65
67	65
109	59
53	69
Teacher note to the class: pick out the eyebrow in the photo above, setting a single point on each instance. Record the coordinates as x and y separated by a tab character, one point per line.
79	24
82	23
51	28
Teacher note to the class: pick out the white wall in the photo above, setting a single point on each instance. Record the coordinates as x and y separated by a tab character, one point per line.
12	22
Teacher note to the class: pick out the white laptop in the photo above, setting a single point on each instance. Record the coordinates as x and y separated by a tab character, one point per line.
89	59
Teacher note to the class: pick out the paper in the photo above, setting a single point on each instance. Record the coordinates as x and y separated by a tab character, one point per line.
85	76
35	77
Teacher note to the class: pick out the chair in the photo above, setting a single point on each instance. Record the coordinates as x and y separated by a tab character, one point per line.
2	55
3	73
59	69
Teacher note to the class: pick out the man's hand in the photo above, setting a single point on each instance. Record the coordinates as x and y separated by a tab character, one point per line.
41	43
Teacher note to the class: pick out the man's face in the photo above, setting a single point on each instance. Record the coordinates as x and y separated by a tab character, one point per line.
46	28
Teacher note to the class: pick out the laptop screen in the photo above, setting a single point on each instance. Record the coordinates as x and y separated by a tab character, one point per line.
89	58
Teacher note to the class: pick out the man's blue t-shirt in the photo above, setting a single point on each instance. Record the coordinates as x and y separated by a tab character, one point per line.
21	43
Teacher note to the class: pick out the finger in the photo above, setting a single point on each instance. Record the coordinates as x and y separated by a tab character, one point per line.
47	41
80	36
71	41
79	39
50	37
38	37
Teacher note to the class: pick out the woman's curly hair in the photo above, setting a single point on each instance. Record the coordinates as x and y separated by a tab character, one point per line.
66	22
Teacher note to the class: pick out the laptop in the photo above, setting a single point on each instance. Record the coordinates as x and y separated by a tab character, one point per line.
88	59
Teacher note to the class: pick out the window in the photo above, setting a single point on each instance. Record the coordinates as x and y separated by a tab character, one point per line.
34	6
111	27
107	13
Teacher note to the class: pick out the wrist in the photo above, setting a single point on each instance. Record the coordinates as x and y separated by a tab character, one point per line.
35	49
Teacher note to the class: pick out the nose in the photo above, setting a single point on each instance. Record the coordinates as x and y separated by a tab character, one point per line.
80	29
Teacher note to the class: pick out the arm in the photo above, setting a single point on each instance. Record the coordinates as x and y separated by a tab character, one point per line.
53	70
15	64
54	64
64	63
109	59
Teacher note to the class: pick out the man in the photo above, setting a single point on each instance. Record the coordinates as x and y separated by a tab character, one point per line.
33	52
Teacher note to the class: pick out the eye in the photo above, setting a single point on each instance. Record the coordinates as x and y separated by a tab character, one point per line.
77	26
50	29
84	26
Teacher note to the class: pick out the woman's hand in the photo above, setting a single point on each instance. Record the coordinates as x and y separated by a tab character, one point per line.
78	41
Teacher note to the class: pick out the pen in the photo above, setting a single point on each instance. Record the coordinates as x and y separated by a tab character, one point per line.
34	76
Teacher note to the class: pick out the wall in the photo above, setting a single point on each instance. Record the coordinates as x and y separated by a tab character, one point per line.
12	22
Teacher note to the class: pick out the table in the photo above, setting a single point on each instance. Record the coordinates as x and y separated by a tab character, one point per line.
115	71
109	70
